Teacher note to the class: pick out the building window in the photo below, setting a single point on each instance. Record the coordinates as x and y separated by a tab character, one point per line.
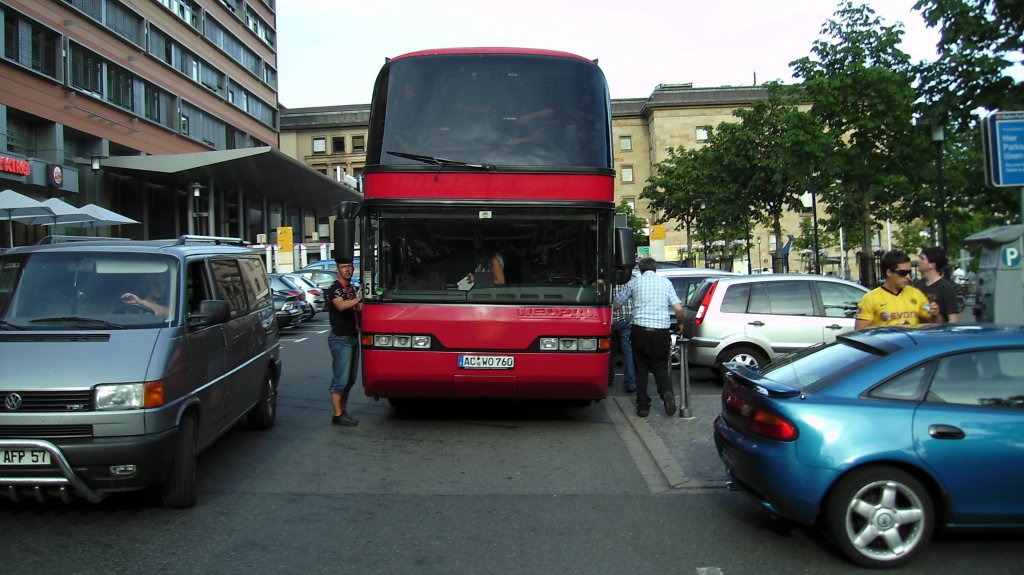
338	144
319	145
120	87
631	202
702	133
627	174
269	76
358	144
626	143
86	70
187	10
30	45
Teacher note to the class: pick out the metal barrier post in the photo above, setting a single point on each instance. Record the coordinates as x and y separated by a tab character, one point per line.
684	380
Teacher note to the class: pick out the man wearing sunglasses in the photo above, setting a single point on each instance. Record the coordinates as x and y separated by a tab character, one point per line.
896	302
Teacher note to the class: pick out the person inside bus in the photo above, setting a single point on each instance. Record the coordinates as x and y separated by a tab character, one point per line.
493	265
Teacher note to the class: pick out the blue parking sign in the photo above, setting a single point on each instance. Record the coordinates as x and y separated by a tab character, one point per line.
1003	139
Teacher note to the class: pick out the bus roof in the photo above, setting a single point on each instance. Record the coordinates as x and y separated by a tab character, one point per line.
492	50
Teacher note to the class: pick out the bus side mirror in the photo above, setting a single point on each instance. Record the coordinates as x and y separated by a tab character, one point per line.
625	249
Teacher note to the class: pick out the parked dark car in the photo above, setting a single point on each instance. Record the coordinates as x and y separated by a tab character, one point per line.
284	284
286	309
883	436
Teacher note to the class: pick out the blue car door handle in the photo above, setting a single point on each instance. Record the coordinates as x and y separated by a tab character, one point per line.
941	431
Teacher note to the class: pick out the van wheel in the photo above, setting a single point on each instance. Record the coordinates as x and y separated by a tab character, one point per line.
180	488
264	413
747	355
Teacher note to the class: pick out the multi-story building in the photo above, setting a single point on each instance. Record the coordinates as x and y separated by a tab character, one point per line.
163	110
329	139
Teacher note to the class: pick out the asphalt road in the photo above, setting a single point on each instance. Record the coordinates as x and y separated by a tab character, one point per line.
457	487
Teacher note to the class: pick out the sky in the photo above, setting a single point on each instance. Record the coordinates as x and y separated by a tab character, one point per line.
329	51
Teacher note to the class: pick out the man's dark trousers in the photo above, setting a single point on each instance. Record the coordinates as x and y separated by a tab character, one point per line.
650	354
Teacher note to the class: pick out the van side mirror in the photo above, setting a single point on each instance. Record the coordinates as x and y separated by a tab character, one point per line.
211	312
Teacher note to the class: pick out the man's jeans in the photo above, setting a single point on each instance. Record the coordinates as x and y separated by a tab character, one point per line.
345	364
621	335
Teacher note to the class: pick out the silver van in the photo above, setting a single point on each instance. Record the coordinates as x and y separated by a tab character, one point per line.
122	360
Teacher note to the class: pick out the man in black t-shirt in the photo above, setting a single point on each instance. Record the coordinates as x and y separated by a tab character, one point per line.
345	302
938	288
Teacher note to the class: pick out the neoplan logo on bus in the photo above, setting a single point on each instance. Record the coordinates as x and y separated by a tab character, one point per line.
486	362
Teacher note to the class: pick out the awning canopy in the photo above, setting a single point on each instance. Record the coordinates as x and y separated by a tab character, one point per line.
258	171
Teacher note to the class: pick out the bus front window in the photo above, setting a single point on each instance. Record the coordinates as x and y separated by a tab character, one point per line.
512	256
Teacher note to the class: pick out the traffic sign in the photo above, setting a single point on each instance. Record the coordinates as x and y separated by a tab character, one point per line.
1003	143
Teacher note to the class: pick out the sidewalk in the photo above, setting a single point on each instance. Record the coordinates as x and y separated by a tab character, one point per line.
688	441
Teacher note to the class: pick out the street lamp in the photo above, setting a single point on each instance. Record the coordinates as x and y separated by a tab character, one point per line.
759	252
938	136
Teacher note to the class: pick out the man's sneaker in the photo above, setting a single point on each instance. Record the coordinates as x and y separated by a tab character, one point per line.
670	403
630	388
344	419
642	411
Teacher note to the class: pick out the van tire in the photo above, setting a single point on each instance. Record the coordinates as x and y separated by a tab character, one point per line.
264	413
179	490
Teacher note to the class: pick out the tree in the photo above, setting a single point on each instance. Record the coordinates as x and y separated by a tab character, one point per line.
772	157
637	224
980	41
861	86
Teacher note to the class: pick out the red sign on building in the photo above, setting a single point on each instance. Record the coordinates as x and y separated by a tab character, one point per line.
14	166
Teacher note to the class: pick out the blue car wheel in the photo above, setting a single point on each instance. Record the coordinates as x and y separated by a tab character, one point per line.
879	516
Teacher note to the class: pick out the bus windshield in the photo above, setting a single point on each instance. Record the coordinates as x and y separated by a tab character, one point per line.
500	111
488	255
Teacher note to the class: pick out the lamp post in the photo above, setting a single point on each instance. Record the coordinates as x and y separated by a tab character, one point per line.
814	220
759	252
938	136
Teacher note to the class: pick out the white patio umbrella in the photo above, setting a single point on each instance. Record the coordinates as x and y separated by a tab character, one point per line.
15	205
61	212
103	217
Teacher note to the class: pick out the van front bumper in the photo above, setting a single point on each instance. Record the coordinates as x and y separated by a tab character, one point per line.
85	466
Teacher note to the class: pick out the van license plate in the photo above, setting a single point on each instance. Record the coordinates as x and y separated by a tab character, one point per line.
24	457
487	362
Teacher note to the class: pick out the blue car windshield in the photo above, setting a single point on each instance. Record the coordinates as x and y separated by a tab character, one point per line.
815	367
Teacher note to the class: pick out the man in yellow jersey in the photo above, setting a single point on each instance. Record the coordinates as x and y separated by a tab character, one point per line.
896	302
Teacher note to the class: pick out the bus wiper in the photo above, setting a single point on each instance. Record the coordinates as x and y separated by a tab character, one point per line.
443	162
77	319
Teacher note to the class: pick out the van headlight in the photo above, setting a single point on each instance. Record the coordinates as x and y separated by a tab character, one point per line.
119	396
110	396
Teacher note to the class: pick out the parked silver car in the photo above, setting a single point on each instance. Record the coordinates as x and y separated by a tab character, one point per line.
752	319
314	295
685	281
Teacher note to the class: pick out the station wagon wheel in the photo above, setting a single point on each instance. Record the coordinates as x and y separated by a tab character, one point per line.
264	413
745	354
879	516
180	488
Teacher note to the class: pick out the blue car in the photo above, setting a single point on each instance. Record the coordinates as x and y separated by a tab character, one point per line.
883	436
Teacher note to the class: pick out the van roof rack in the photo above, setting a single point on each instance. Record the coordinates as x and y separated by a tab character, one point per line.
218	240
57	239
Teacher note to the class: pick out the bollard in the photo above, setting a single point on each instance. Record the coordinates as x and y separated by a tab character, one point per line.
684	380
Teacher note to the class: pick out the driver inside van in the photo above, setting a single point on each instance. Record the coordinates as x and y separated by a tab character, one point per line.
154	295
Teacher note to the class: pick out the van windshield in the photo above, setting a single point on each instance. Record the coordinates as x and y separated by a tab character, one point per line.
87	291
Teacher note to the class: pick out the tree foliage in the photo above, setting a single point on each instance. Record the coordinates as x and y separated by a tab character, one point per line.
980	41
861	86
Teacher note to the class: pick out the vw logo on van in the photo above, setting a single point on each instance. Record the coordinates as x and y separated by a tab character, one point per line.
13	402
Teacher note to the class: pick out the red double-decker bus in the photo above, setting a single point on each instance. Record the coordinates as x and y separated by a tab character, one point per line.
487	236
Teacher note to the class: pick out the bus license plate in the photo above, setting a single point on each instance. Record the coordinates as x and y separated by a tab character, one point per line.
486	362
24	457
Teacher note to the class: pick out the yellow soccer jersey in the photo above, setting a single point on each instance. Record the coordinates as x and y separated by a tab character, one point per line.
882	307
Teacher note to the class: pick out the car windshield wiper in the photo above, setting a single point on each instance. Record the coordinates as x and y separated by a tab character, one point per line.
4	324
78	319
443	162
